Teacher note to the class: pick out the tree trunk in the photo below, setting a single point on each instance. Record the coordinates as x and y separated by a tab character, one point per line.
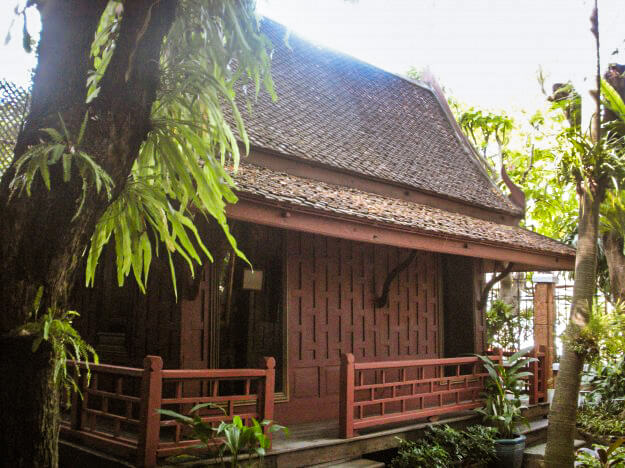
561	431
29	405
613	248
40	244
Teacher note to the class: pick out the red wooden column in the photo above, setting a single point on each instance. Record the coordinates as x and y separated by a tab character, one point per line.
544	319
150	420
346	401
265	394
534	378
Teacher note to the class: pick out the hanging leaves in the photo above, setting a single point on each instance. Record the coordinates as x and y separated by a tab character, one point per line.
179	174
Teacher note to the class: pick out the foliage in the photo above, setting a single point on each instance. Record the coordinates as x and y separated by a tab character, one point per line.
502	408
55	327
526	143
179	170
602	419
608	381
64	148
179	173
237	438
420	454
601	456
480	443
472	445
504	325
602	340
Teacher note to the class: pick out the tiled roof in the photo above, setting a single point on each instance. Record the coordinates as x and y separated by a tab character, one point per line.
337	111
260	182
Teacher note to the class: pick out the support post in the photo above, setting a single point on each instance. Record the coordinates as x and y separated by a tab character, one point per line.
346	403
76	411
149	419
265	393
534	378
544	321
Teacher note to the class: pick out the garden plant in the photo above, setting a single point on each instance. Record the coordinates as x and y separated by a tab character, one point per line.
231	439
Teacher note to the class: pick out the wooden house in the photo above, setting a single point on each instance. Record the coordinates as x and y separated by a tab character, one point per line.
370	224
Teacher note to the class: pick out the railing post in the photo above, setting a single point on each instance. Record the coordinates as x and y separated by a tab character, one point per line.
76	411
150	420
543	367
346	404
534	378
265	394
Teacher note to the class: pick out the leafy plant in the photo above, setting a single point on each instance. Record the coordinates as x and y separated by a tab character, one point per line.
450	439
505	326
601	456
480	443
420	454
602	419
608	381
502	408
233	438
55	327
184	166
65	148
444	446
474	444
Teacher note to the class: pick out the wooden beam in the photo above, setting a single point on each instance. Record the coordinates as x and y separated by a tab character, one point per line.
316	223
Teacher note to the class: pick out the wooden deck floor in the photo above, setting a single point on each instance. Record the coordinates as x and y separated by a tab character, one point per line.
318	443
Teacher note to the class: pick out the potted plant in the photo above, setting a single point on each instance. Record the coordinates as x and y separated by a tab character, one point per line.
502	408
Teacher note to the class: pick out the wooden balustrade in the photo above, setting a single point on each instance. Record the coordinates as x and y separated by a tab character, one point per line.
118	410
378	393
536	384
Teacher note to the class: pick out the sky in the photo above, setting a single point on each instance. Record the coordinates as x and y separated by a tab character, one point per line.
484	52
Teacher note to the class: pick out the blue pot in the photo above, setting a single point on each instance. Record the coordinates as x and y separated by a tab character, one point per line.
510	452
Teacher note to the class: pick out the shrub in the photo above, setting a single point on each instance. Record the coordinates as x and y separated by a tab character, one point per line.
602	419
420	454
444	445
479	443
601	456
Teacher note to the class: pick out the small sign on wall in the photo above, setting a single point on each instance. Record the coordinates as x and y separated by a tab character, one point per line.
253	279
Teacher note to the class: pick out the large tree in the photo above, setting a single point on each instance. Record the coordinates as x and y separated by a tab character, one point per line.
126	138
593	162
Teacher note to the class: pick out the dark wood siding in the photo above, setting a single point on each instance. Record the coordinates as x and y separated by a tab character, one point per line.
124	324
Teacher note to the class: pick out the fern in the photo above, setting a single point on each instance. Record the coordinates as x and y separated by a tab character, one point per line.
55	327
60	147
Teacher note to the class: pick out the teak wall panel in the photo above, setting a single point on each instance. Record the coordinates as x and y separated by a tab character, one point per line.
332	284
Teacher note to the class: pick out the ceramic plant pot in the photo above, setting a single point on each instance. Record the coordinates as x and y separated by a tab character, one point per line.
510	452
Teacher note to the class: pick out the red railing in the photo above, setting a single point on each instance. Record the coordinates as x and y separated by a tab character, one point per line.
379	393
536	384
118	409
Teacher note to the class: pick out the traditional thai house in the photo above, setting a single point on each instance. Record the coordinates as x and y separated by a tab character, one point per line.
370	224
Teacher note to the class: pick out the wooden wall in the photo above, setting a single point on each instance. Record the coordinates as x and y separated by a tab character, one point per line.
332	284
122	323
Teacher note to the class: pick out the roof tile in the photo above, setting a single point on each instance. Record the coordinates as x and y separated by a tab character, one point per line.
340	112
260	182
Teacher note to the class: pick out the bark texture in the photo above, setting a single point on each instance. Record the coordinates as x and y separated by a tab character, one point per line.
29	402
613	243
40	245
561	432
